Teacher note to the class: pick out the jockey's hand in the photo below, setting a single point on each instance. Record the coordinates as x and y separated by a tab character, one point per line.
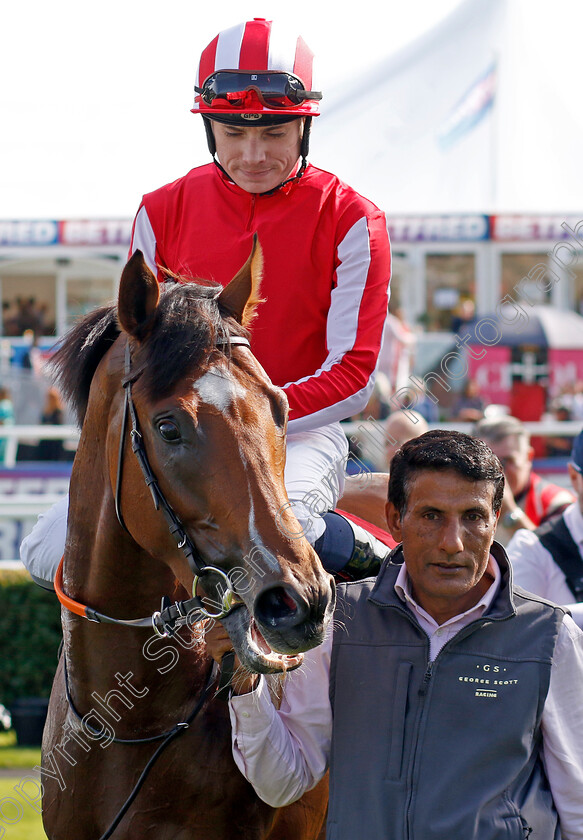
218	642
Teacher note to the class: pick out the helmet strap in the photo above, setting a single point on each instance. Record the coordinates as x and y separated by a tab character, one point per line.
295	177
304	149
305	146
210	137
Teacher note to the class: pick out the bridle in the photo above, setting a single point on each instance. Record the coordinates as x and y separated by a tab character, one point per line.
165	620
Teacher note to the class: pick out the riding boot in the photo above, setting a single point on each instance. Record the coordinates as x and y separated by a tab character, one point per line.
349	551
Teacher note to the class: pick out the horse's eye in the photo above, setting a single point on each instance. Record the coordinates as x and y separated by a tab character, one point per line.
169	431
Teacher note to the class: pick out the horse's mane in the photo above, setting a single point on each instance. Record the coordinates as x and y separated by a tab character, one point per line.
189	323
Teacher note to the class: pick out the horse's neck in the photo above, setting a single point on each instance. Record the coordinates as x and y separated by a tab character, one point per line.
106	570
160	678
140	686
103	563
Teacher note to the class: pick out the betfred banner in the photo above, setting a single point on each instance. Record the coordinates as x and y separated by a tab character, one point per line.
525	227
29	233
71	232
95	232
444	228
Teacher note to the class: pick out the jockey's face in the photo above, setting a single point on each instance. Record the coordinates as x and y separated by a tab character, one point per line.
258	158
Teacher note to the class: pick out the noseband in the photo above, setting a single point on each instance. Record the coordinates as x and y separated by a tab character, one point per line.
165	620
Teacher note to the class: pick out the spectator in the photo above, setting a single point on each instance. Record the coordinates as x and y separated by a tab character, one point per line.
6	418
365	494
418	397
51	449
464	315
446	701
577	402
32	358
378	406
469	406
9	319
29	316
529	499
549	560
559	446
571	396
398	351
400	427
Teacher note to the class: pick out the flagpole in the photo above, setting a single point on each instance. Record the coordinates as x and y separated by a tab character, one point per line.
494	138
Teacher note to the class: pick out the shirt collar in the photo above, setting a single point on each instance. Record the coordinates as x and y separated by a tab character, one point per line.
404	592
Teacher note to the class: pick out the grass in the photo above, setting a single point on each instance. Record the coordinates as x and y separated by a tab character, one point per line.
25	823
13	756
18	819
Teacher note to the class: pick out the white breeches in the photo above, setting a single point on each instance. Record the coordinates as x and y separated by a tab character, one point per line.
314	475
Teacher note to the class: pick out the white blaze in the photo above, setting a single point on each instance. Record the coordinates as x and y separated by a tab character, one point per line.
218	389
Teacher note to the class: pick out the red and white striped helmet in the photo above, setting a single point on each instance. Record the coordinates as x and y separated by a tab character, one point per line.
256	71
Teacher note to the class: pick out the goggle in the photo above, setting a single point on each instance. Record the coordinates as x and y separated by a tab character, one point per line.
273	90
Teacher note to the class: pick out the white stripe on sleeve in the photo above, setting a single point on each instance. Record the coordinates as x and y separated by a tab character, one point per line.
144	239
342	325
352	274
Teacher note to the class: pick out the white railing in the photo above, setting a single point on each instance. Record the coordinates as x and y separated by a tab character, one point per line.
546	428
24	434
25	507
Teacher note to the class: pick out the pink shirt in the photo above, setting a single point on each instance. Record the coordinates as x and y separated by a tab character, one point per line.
284	753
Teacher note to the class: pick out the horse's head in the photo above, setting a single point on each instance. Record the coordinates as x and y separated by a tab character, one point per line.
213	430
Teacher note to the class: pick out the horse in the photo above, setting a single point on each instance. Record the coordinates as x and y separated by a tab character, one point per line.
137	741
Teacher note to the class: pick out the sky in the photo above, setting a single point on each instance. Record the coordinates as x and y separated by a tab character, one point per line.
95	97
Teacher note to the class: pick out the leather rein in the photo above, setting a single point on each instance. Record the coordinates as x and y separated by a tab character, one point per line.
165	620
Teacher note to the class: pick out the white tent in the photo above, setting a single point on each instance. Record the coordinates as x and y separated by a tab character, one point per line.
479	115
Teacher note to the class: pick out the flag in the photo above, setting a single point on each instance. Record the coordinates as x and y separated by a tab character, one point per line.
469	110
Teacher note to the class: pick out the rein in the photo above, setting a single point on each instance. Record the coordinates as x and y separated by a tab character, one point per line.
166	738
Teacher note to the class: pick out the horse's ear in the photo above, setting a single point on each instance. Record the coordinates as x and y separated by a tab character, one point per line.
241	297
138	297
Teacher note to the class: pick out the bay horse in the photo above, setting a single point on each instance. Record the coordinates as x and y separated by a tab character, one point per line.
137	741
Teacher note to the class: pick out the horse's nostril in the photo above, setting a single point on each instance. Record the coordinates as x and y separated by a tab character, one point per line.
277	606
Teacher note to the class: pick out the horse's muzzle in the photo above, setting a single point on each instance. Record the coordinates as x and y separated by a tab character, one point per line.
288	622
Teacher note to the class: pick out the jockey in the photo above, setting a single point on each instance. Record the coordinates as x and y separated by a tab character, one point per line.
326	259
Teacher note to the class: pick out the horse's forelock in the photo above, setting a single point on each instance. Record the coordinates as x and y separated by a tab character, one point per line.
187	327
